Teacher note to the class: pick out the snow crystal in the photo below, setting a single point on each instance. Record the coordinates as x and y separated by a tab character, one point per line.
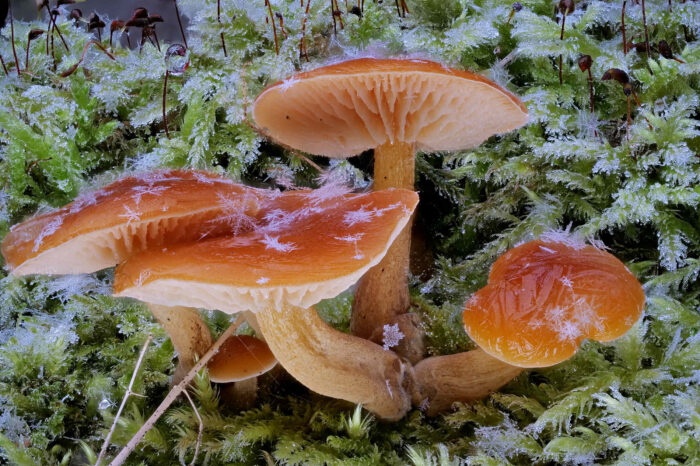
568	331
140	191
273	242
391	336
143	276
566	281
48	230
104	404
564	237
130	215
353	239
361	215
234	213
288	83
262	280
327	192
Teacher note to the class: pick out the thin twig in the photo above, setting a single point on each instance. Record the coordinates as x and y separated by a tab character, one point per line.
561	37
52	20
182	31
646	36
128	392
308	161
165	91
302	44
624	36
72	69
218	19
274	27
12	34
3	66
174	393
201	428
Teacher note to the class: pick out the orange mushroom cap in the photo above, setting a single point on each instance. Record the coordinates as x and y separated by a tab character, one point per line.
240	357
344	109
544	297
102	228
306	246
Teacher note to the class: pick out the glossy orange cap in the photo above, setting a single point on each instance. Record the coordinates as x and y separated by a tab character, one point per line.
306	246
240	357
544	297
346	108
102	228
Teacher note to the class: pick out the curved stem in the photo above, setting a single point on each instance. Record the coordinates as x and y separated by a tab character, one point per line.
188	332
473	375
336	364
382	293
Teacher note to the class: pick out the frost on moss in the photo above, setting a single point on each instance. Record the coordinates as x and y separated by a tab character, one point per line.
67	351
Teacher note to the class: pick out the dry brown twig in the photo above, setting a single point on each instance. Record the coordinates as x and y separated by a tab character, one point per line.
128	393
174	393
201	428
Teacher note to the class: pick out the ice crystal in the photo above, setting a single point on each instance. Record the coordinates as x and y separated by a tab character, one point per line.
130	215
234	212
48	230
273	242
391	336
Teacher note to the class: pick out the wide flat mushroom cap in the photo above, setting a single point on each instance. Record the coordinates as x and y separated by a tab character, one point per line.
544	297
344	109
307	246
240	357
101	228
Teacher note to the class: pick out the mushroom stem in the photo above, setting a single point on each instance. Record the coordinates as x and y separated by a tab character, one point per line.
382	293
473	375
336	364
188	332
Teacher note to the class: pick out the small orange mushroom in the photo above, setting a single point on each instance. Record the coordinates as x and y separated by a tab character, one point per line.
241	357
546	296
542	299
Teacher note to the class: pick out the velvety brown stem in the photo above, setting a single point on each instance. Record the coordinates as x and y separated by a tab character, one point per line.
241	395
188	332
382	293
336	364
473	375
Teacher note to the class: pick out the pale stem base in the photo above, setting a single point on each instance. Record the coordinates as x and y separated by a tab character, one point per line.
468	376
336	364
188	332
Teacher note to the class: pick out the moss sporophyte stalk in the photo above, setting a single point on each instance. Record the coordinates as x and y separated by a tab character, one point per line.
598	179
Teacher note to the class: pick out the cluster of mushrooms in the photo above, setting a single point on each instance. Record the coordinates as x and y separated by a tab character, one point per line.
184	240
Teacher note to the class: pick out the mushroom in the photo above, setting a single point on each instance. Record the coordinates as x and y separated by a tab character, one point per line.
306	246
241	357
237	365
395	107
103	228
543	298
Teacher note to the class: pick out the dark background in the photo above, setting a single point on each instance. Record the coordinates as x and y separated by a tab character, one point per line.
113	9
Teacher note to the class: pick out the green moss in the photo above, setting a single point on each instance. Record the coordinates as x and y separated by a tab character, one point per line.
67	352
